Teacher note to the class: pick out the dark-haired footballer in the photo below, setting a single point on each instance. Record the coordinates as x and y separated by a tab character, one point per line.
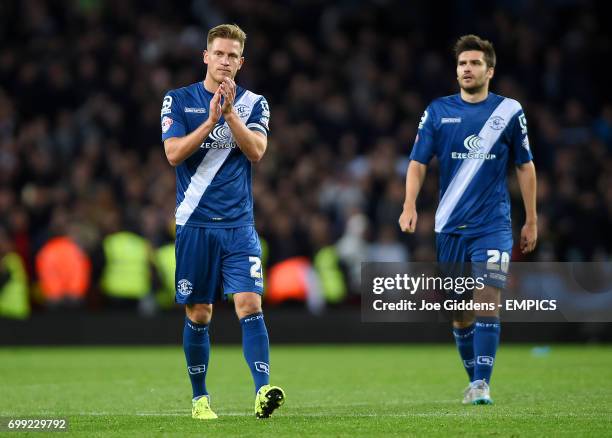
473	134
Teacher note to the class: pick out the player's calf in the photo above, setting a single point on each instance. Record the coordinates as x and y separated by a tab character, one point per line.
486	334
463	332
196	346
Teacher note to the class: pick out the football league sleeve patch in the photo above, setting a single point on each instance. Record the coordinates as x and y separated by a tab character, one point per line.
520	140
423	149
259	120
172	119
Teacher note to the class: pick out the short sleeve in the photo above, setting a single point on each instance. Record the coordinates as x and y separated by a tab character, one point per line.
519	140
423	149
172	117
259	120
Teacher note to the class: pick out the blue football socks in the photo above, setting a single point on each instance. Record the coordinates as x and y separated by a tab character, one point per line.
486	340
196	344
256	348
464	338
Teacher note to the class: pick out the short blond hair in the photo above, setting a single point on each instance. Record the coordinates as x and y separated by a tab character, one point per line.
227	31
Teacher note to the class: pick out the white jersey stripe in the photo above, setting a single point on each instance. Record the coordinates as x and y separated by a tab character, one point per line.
208	168
200	181
468	169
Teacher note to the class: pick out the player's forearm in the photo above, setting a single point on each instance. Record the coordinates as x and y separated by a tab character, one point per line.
526	176
180	148
414	180
251	144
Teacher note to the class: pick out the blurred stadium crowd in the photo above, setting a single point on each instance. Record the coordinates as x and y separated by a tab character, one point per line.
81	160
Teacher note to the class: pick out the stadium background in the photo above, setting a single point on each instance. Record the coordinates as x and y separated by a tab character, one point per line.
81	85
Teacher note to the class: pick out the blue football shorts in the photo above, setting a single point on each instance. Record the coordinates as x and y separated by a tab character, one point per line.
213	262
488	255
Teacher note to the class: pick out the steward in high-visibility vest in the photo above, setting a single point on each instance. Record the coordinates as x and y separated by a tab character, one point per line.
127	272
294	279
165	264
14	300
327	265
63	269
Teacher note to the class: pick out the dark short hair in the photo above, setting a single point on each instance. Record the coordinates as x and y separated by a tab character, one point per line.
474	42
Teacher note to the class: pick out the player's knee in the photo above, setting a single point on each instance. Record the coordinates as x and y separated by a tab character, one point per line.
247	303
248	309
488	312
463	318
199	313
463	324
488	300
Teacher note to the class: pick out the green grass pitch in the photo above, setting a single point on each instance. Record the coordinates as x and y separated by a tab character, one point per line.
399	390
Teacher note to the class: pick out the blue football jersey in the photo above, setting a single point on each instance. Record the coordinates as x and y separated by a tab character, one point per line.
472	142
213	185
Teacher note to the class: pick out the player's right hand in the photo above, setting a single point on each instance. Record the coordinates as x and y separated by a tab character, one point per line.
214	113
408	219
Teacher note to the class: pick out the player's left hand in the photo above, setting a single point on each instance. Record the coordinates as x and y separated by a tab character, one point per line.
228	90
529	237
